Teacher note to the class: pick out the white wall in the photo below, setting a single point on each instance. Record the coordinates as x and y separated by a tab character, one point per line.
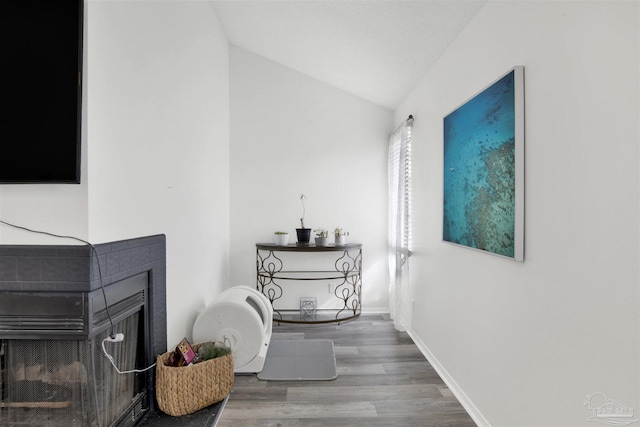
55	208
159	141
525	343
292	134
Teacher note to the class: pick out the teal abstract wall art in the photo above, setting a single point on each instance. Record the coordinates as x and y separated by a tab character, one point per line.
483	206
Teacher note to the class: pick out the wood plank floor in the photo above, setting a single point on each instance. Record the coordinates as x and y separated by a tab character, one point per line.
383	380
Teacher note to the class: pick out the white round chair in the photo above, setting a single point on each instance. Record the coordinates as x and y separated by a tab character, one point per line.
241	317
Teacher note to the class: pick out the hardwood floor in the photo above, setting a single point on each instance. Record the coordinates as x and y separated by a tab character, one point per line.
383	380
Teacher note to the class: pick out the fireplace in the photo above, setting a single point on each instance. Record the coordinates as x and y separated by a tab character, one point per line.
53	320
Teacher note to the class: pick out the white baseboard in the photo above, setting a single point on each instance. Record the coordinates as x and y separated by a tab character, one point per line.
375	310
464	400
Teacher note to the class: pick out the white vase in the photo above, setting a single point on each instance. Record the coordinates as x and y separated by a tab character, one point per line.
322	241
281	239
341	240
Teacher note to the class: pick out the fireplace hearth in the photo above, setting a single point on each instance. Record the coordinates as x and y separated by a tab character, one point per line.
53	320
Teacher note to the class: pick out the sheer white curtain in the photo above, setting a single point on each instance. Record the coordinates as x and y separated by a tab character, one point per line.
400	306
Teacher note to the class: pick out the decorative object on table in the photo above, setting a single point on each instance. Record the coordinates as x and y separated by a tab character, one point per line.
308	307
484	170
303	233
340	236
322	237
281	238
187	389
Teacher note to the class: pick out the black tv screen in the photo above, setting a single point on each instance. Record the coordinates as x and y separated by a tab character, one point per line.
40	126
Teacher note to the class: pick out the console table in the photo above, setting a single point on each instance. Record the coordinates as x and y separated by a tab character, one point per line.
347	272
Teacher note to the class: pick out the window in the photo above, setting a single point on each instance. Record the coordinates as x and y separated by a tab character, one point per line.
400	239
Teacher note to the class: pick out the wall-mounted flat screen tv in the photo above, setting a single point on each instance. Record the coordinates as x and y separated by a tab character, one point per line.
40	126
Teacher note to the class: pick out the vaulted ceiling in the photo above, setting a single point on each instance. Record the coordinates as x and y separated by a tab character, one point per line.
375	49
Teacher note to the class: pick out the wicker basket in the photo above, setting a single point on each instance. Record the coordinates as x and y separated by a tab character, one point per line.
184	390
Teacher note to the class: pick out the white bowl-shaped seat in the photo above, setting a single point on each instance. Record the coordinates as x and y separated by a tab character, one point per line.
241	318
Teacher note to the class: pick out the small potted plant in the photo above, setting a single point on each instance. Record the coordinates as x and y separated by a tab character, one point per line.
304	234
322	237
340	236
281	238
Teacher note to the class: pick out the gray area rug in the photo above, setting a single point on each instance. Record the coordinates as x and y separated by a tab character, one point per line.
294	360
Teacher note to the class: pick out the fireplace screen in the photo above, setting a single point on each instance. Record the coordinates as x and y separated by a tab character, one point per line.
52	382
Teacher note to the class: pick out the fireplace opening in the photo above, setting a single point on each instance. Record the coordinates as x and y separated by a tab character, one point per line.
71	382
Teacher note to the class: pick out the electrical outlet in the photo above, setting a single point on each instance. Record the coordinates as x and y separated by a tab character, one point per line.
332	288
116	338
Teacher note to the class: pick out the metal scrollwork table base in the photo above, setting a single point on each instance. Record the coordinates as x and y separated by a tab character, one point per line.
347	273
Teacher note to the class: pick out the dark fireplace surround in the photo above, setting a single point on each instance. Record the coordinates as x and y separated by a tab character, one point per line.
61	284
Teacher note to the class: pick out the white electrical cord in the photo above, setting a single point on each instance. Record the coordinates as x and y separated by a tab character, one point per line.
119	338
